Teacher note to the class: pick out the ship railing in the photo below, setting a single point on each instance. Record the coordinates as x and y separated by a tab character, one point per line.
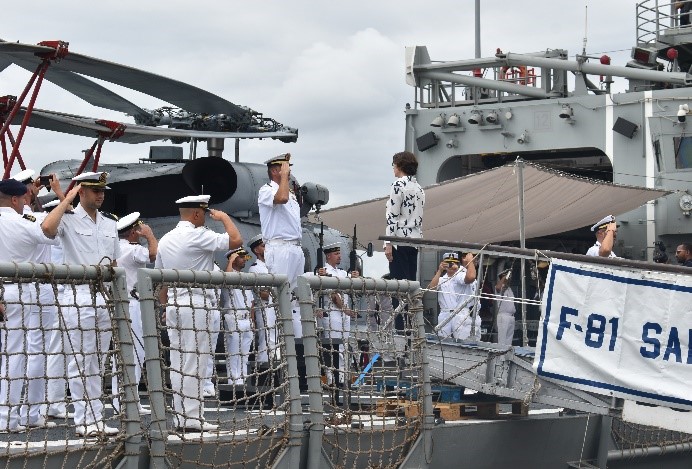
529	268
65	324
656	18
441	93
204	368
368	382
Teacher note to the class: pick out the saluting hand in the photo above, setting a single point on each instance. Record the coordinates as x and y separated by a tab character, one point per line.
73	193
145	230
285	171
217	215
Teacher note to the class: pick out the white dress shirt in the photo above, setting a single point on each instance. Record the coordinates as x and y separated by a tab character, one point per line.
42	255
279	221
340	273
453	291
505	304
259	267
187	247
86	241
19	237
593	250
133	256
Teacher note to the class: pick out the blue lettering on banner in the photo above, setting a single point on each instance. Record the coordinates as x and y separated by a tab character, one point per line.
673	346
646	353
564	323
597	326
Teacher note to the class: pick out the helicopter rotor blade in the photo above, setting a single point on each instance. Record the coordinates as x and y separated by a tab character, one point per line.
175	92
133	133
74	126
4	63
83	88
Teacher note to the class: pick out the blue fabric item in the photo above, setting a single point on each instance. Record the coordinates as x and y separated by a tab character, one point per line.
12	187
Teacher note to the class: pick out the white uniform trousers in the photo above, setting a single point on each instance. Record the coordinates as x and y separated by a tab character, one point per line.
265	321
138	339
215	331
461	325
505	328
89	334
239	337
13	357
41	319
446	330
191	346
57	365
287	259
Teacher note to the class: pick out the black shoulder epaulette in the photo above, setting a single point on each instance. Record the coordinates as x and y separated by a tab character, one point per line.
254	264
29	217
109	215
69	212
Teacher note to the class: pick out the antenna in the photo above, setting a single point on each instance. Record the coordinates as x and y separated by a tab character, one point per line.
586	26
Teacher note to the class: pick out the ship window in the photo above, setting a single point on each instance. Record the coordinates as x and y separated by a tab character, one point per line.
683	152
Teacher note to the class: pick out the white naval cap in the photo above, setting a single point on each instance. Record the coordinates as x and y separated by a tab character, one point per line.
240	251
333	247
48	206
254	241
194	201
128	221
92	179
450	257
25	176
283	158
603	223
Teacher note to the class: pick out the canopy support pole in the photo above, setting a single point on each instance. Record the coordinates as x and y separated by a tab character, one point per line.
522	245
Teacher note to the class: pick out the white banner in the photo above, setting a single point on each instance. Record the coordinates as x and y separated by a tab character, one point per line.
617	331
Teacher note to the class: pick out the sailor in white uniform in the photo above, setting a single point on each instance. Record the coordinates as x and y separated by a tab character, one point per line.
41	317
46	329
56	363
190	245
279	212
606	233
265	315
238	320
19	236
88	237
505	308
337	320
456	284
134	256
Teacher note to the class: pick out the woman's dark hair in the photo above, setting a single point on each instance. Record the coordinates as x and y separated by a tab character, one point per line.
406	161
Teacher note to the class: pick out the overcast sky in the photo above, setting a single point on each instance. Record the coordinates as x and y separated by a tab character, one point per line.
334	70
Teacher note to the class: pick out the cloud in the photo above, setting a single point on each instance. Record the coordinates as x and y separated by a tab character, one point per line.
334	70
330	87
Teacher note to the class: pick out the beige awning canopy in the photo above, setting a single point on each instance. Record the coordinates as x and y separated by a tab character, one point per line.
484	208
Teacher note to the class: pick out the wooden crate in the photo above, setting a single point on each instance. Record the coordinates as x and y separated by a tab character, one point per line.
390	407
466	410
